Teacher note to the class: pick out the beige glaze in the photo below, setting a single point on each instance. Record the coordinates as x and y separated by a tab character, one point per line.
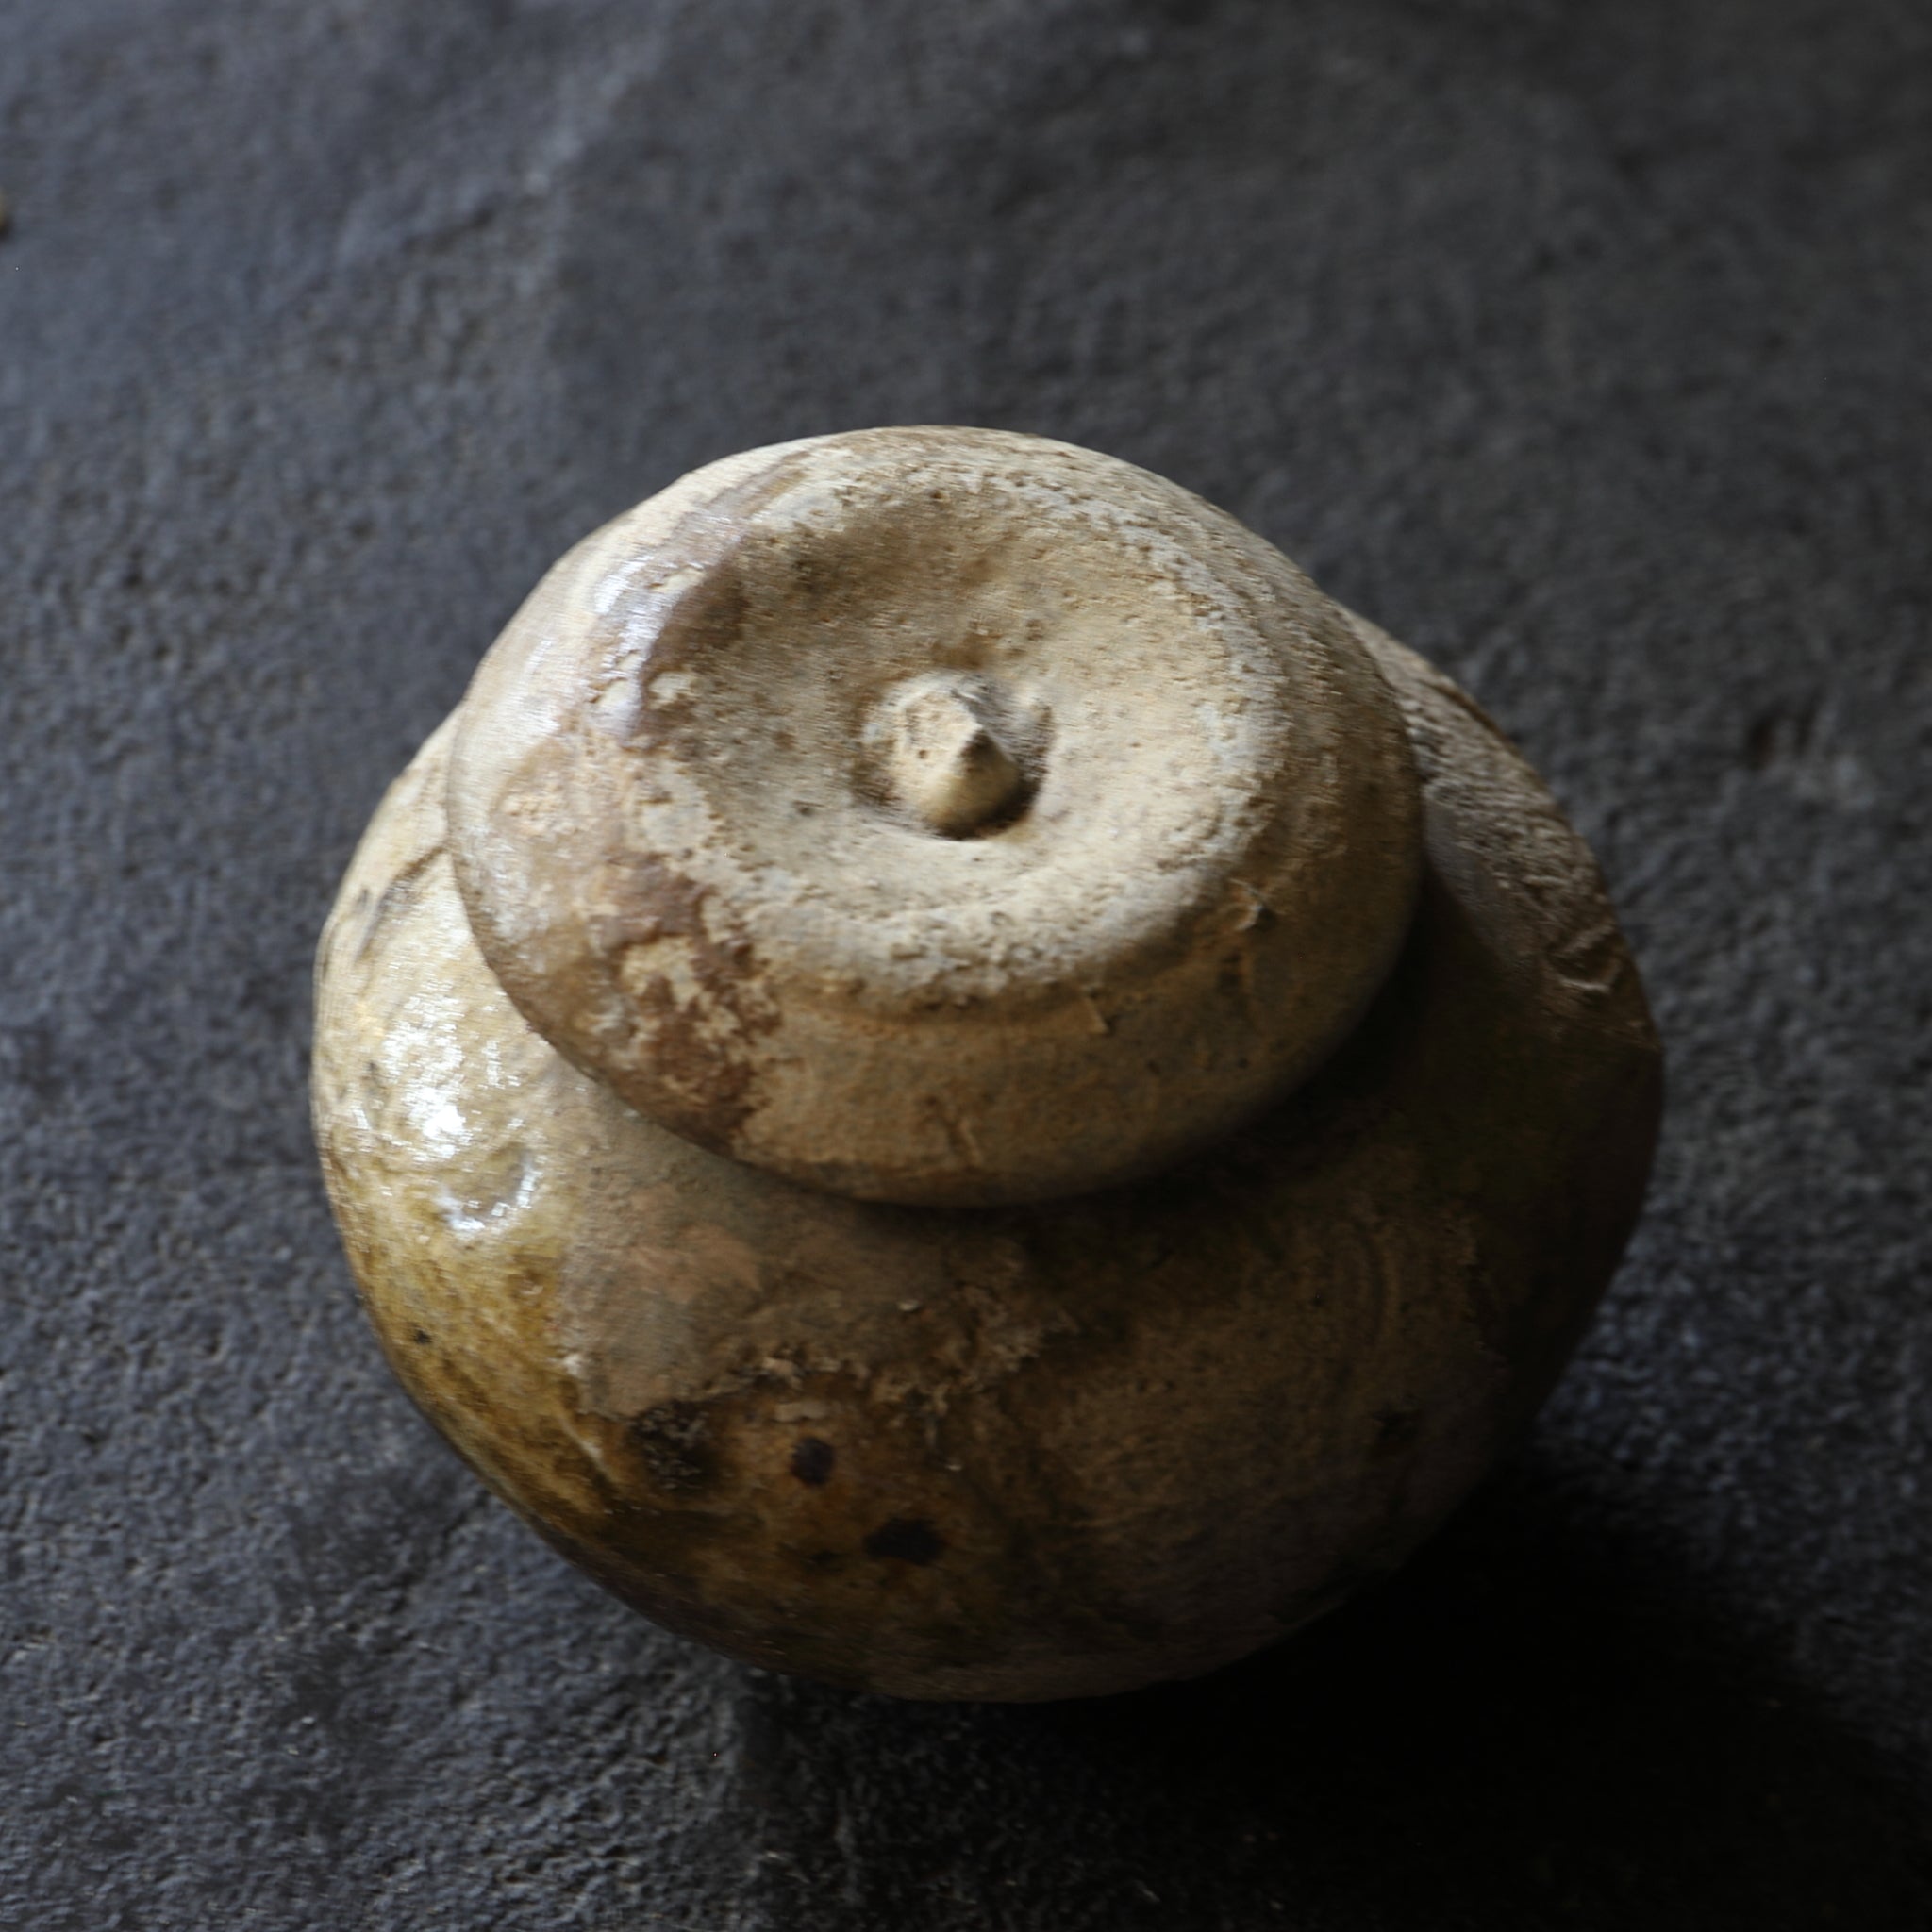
1027	1450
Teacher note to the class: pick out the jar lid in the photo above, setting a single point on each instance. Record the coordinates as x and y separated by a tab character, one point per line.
935	815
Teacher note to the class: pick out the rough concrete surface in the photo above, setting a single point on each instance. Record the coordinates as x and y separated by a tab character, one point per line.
1581	346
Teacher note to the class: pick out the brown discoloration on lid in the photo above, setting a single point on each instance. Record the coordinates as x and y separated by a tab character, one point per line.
693	1003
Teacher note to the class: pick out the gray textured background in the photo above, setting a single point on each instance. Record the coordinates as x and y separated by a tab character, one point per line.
1583	346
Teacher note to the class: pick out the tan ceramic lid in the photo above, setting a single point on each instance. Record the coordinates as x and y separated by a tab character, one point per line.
935	815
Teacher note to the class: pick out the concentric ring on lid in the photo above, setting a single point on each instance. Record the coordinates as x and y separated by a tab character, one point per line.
935	815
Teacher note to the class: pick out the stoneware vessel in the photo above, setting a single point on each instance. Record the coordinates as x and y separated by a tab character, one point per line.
956	1082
